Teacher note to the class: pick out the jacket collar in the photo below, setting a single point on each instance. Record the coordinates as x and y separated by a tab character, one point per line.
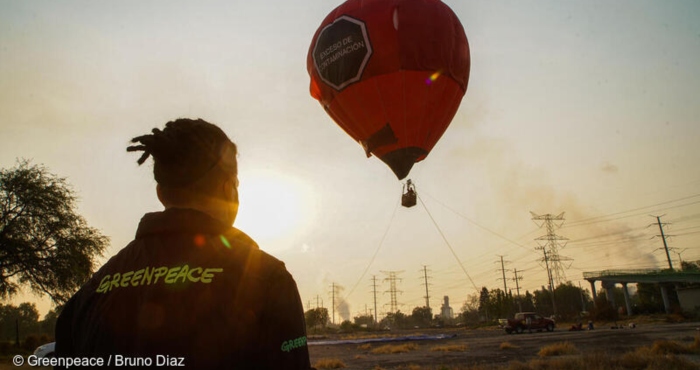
181	221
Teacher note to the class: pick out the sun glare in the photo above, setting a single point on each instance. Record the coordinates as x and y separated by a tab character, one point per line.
274	207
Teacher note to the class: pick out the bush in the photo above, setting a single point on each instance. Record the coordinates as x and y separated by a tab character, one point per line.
508	345
558	349
31	342
391	348
449	348
7	348
329	363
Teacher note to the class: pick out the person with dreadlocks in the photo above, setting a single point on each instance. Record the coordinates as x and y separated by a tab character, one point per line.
190	290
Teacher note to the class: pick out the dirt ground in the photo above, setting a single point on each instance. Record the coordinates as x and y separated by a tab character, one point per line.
483	346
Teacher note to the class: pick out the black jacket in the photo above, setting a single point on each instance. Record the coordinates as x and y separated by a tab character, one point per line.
187	290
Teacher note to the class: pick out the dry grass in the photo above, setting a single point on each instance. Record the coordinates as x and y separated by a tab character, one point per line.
695	347
364	347
410	367
394	348
558	349
667	347
449	348
508	345
329	363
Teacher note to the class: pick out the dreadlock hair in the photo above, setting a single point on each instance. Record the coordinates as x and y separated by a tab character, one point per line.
184	152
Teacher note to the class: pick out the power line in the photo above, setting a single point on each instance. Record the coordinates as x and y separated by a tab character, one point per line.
448	243
475	223
381	242
585	220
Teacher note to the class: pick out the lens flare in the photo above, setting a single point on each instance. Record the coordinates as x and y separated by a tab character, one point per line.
225	241
199	240
432	78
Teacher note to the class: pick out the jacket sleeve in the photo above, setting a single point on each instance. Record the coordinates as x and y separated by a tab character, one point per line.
283	328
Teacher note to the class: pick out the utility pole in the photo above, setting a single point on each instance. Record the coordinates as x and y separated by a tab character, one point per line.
680	260
374	291
334	292
425	278
517	288
551	282
663	237
333	303
392	289
503	272
516	278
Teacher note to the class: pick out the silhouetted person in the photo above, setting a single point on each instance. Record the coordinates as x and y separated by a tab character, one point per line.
190	289
528	322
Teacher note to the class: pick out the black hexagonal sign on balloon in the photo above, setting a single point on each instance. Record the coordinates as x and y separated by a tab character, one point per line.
342	51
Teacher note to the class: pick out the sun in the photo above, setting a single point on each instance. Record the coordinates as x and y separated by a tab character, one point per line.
274	207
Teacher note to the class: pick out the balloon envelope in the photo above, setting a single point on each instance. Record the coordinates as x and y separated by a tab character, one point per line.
391	74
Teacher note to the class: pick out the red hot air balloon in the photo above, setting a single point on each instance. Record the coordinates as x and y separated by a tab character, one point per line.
392	74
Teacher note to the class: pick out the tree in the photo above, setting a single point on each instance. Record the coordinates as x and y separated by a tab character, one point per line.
395	320
543	302
568	298
470	310
24	318
44	243
603	309
690	265
316	317
528	302
48	324
484	302
422	316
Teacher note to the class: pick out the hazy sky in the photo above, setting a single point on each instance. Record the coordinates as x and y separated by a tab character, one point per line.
586	107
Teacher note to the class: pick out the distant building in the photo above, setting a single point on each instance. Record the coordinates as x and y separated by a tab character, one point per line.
446	311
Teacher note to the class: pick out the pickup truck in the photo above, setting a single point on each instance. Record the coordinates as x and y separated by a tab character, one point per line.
527	321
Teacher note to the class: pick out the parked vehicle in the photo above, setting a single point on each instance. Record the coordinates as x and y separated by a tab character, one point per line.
46	350
528	321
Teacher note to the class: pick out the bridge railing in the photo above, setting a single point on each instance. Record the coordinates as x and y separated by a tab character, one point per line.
594	274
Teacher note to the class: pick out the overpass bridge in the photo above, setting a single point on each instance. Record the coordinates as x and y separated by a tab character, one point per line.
609	278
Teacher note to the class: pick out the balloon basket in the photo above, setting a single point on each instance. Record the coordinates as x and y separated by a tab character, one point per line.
408	198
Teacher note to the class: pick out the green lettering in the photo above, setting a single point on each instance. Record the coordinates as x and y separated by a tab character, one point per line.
136	277
125	279
147	275
208	274
160	271
104	284
115	281
171	275
191	278
293	343
182	274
